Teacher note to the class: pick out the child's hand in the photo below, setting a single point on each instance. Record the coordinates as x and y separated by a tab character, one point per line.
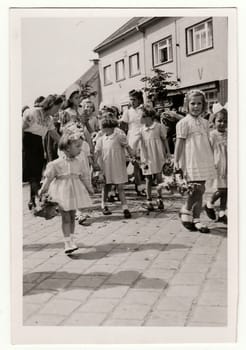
91	190
40	193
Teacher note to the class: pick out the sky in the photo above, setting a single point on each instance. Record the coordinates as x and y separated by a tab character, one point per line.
56	51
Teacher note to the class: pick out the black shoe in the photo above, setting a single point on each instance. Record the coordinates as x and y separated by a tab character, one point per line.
201	228
210	212
223	219
160	204
31	204
150	207
111	199
106	211
127	214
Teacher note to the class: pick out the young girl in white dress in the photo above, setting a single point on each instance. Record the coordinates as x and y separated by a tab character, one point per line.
154	151
218	140
111	157
193	154
67	186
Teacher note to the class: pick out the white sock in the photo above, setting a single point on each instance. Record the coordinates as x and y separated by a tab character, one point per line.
124	206
221	213
210	205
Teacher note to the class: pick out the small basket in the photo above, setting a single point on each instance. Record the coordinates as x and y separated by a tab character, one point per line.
48	210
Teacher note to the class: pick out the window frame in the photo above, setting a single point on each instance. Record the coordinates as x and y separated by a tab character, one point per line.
153	55
111	81
124	70
188	29
139	70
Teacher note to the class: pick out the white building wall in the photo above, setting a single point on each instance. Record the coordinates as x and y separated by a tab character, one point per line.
199	68
117	92
208	65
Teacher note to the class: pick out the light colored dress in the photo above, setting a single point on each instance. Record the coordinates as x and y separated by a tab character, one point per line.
218	141
67	188
111	150
197	158
132	117
35	123
152	150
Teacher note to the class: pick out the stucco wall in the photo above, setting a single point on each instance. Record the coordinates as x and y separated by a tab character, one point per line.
199	68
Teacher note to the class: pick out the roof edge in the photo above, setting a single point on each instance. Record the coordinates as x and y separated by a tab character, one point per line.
102	46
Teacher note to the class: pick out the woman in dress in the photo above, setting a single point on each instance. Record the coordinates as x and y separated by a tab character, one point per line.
36	123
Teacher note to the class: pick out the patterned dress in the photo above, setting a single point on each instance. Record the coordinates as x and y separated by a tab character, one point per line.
112	155
152	148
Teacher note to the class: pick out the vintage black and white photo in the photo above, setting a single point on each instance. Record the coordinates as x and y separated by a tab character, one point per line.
126	172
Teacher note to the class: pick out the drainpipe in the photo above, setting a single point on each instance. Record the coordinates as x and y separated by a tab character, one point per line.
177	52
144	52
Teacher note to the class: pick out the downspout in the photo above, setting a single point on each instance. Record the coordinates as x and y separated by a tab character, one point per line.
144	52
177	52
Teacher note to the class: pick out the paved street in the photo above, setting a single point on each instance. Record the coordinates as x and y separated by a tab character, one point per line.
145	271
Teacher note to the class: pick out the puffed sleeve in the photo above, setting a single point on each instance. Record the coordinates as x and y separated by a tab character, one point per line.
50	171
163	131
182	129
29	118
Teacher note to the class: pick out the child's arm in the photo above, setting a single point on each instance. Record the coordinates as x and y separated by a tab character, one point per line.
178	151
163	135
49	175
45	186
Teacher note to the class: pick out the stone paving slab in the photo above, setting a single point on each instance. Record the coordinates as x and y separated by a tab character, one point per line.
146	271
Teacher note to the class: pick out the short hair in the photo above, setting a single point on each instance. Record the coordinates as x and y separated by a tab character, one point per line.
116	110
215	115
136	94
192	93
48	102
109	123
24	108
67	139
38	100
148	111
58	100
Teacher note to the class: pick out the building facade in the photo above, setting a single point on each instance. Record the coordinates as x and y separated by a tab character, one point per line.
193	49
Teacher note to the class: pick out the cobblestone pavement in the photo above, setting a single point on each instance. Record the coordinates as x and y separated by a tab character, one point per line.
145	271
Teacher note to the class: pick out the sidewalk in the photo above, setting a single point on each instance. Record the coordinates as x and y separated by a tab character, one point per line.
145	271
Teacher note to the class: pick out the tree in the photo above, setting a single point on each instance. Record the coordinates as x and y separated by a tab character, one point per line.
86	90
158	86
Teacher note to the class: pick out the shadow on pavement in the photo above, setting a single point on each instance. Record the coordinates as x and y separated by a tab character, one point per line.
108	248
54	281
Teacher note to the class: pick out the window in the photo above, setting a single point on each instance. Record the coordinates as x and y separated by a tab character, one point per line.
120	70
211	97
199	37
162	51
107	75
134	67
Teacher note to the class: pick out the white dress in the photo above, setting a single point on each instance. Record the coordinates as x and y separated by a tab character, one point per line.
197	158
111	150
67	188
152	148
219	144
132	117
